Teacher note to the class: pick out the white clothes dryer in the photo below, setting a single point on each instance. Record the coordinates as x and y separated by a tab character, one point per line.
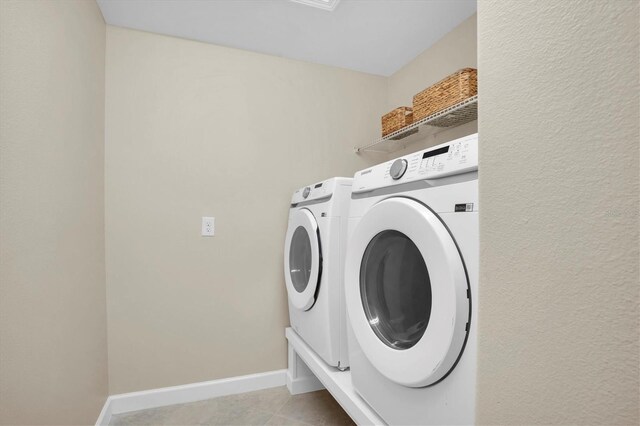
314	267
411	285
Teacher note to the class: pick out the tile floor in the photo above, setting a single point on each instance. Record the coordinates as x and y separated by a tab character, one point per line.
266	407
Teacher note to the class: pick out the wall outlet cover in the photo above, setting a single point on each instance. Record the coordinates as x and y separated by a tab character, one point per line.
208	226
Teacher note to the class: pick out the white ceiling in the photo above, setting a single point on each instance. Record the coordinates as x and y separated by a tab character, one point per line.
373	36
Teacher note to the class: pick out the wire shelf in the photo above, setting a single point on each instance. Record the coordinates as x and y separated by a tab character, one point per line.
453	116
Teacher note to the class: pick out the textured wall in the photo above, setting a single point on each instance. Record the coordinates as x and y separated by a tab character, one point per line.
558	337
53	349
456	50
197	130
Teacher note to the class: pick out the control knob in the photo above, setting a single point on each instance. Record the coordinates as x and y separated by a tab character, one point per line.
398	168
305	192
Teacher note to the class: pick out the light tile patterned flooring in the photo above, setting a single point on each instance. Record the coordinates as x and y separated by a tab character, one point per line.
266	407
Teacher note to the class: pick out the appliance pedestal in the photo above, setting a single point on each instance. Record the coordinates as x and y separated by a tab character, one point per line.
307	372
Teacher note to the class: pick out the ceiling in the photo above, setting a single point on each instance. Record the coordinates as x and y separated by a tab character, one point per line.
373	36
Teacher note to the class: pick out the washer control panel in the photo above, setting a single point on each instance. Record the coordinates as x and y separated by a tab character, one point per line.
318	190
451	158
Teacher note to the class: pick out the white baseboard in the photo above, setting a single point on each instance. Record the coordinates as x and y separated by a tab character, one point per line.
105	415
134	401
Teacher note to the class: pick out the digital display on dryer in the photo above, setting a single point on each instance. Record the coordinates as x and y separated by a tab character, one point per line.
435	152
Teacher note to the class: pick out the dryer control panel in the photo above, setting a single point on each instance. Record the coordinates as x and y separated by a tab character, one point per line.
451	158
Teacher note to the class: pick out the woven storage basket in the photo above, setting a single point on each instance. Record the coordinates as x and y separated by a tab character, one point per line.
453	89
396	120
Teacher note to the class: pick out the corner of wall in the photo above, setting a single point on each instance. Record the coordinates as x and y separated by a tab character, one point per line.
456	50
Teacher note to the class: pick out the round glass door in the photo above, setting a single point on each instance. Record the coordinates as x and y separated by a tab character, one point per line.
302	259
395	289
406	292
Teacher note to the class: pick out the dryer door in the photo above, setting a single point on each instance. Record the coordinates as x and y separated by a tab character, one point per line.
302	259
406	292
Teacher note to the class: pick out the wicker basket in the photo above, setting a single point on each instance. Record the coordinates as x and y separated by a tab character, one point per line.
396	120
453	89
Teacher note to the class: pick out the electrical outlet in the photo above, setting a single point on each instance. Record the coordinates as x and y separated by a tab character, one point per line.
208	226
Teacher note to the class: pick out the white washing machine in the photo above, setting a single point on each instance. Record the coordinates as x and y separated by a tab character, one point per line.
314	267
411	285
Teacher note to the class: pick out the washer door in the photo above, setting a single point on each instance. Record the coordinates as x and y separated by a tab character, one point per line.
406	292
302	259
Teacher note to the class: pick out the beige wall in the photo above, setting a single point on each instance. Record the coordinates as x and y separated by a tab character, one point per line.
456	50
196	130
53	354
558	324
